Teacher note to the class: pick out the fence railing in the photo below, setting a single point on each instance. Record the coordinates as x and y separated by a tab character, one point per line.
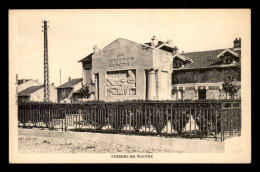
217	120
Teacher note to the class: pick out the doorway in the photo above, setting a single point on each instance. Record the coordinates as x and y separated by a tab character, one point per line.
202	94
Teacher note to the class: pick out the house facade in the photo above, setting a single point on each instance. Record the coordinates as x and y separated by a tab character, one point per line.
200	75
66	90
126	70
26	83
36	94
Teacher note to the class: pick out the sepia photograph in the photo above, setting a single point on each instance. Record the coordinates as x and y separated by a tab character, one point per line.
130	86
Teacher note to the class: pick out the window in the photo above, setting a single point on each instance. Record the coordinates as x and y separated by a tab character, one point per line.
63	93
177	64
228	60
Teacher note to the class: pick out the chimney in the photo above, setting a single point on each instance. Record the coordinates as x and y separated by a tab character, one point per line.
69	79
36	80
169	42
154	41
95	49
175	50
52	84
237	44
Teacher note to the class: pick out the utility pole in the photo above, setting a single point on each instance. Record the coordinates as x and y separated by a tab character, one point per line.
46	64
16	93
60	76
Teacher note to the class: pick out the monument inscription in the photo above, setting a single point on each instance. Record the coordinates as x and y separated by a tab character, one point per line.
120	61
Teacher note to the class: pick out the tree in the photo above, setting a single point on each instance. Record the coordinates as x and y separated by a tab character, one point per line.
85	91
230	86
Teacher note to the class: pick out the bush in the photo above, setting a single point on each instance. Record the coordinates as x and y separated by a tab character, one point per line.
137	120
179	120
158	119
207	121
136	113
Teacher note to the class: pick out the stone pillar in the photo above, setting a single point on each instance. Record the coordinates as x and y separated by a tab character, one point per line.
196	92
183	93
220	91
96	86
151	85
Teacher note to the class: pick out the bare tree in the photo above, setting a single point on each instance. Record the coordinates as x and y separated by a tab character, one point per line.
85	91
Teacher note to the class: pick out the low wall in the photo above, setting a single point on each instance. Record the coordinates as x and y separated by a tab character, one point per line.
176	144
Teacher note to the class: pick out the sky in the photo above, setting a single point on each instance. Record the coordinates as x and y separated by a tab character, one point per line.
73	33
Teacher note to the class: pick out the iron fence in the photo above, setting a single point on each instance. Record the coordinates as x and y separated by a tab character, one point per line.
217	120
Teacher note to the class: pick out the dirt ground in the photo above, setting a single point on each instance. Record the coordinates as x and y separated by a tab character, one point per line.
35	144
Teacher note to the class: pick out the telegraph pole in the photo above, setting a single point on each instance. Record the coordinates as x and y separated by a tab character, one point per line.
46	64
60	76
16	93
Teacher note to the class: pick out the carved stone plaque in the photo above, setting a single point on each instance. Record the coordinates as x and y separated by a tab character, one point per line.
121	83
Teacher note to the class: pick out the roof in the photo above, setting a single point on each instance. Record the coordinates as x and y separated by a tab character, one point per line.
91	88
78	91
87	58
184	58
29	90
230	51
71	83
20	81
203	59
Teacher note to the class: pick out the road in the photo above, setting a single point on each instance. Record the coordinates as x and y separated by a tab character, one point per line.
36	144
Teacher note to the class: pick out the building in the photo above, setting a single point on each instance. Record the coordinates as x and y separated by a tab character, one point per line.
126	70
66	90
36	94
26	83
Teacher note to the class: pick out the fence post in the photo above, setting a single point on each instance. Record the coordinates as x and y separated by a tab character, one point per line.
195	121
221	124
65	124
216	124
167	111
231	120
190	121
62	119
49	118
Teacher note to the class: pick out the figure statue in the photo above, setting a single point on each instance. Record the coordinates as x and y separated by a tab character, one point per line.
131	78
124	84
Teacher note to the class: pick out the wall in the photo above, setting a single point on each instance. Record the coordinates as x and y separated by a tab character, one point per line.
123	55
211	78
53	94
214	90
23	98
38	95
77	86
67	92
162	62
76	97
190	94
204	75
87	76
